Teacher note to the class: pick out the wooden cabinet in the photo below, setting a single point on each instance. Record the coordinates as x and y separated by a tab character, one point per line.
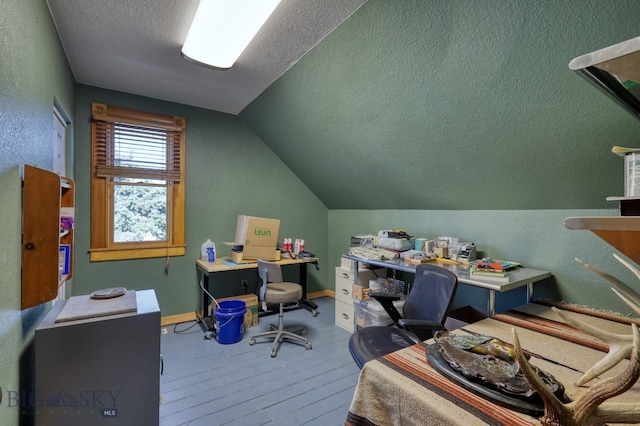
45	195
621	232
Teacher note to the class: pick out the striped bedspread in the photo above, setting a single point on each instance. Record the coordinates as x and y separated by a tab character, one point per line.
403	389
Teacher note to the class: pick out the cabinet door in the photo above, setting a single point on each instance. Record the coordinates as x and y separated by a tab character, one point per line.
42	195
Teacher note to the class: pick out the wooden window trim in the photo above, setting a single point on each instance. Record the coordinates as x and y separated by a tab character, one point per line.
101	249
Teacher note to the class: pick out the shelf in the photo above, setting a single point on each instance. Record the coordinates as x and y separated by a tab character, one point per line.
621	232
622	59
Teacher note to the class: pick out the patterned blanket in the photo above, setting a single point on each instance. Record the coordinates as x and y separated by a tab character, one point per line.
403	389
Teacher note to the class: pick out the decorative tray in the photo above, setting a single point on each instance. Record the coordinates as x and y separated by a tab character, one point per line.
495	377
439	364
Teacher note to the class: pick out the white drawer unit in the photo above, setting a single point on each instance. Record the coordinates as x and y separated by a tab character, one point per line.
344	299
344	315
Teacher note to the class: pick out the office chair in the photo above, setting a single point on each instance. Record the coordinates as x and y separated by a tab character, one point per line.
424	312
275	291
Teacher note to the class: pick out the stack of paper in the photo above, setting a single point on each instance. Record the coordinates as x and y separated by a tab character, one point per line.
490	269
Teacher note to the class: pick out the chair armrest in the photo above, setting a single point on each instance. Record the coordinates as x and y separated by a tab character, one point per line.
386	300
416	325
384	296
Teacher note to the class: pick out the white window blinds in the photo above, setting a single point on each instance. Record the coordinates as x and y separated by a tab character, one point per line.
133	151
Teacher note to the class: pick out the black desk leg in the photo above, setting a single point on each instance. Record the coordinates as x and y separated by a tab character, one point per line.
206	322
303	279
205	296
304	303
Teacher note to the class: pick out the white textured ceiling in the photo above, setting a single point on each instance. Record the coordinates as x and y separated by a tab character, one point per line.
134	46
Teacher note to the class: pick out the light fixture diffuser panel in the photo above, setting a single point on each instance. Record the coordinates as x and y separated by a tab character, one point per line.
222	29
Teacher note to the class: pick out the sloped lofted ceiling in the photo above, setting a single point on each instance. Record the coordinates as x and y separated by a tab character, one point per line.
454	105
412	104
133	46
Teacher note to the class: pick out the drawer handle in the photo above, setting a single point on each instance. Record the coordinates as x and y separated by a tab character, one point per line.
345	316
345	275
345	291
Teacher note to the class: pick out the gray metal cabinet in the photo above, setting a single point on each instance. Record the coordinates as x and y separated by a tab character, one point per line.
104	369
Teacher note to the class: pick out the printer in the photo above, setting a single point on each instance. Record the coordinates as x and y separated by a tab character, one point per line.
396	239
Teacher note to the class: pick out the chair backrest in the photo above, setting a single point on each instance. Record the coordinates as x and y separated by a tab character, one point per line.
269	272
431	295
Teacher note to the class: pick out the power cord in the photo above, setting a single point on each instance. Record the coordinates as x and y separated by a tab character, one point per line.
208	294
198	320
175	327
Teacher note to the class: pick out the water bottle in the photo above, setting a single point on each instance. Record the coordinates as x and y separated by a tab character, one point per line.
204	255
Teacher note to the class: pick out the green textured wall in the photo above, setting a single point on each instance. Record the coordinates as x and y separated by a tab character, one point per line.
536	238
33	71
230	171
454	118
450	105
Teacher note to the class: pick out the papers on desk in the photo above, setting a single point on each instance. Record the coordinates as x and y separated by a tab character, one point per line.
372	253
491	269
622	151
493	264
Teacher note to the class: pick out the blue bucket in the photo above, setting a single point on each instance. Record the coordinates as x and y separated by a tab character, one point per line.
229	321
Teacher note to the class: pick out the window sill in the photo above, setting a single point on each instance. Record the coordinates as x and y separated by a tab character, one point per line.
101	255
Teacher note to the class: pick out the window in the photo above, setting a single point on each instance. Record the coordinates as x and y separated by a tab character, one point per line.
137	184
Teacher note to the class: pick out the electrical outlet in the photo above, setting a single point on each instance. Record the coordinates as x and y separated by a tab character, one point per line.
243	285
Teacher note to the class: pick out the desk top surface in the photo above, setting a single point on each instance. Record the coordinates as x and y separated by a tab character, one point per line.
223	264
403	382
518	277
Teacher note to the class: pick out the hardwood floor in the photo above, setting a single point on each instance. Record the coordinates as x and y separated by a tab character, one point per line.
208	383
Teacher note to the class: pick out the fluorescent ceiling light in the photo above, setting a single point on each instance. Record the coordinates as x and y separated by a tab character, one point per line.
222	29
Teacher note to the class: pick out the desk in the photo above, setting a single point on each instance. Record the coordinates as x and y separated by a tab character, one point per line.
518	277
224	264
403	388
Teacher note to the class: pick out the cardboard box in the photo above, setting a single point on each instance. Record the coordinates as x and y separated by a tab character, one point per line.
251	300
255	252
359	292
239	256
257	231
258	238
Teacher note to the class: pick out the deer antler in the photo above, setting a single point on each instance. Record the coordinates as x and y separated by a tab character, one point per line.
633	297
620	346
634	303
630	303
590	407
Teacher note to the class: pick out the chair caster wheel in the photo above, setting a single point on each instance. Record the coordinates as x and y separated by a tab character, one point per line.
252	341
303	331
314	313
307	346
273	354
